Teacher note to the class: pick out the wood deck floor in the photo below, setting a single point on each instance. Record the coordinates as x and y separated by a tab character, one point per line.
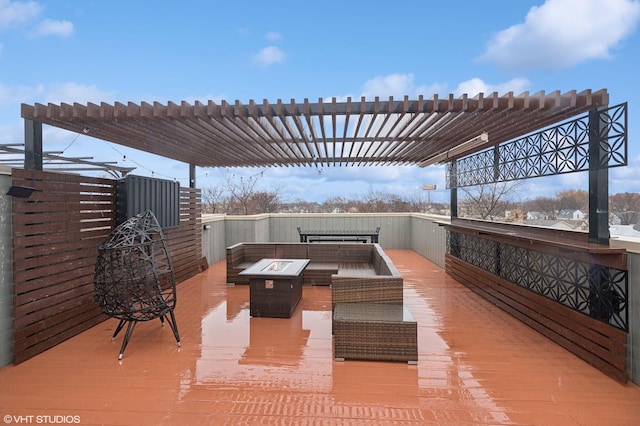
477	365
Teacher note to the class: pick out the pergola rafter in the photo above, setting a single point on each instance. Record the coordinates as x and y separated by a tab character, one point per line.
378	132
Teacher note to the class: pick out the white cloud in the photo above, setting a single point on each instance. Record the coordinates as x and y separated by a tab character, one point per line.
18	13
625	179
563	33
9	94
429	90
399	85
396	85
268	56
475	85
74	92
26	14
52	27
273	36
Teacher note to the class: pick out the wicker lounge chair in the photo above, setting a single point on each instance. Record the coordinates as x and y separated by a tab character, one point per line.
134	278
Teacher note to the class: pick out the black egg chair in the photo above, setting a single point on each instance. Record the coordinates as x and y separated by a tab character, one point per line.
133	277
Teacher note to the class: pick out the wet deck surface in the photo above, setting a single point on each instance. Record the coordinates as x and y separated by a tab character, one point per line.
477	365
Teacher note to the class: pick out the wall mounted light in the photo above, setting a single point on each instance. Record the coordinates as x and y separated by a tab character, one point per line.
21	191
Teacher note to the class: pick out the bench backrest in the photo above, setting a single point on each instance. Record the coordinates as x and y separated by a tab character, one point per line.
356	252
323	252
291	251
316	252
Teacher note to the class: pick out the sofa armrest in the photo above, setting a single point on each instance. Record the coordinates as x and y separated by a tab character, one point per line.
235	255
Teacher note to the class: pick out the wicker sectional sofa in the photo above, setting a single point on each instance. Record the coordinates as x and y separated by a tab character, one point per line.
369	319
348	267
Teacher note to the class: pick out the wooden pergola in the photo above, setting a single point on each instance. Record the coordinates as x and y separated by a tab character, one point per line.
573	287
378	132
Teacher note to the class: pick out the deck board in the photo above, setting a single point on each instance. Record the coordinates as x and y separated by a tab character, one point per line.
476	365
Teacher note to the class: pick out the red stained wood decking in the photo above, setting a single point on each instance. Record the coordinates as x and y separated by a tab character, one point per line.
476	365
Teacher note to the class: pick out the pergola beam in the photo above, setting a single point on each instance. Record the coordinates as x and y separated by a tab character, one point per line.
388	132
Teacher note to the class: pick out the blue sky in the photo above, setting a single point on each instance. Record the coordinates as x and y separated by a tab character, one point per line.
97	51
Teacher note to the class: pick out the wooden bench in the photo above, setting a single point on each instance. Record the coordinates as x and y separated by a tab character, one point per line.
336	239
327	235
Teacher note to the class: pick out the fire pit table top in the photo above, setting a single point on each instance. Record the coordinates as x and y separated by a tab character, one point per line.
276	268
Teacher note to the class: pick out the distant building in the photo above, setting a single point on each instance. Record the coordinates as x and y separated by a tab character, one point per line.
560	215
626	217
566	225
536	216
515	215
571	214
625	231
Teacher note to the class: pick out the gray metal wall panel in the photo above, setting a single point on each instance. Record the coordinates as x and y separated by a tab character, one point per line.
137	194
397	231
213	240
284	227
428	238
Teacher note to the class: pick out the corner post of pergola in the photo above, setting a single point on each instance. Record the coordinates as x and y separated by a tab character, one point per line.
453	189
192	176
32	145
598	178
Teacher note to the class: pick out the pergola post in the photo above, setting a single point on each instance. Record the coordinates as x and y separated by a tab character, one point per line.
32	145
453	185
598	179
192	176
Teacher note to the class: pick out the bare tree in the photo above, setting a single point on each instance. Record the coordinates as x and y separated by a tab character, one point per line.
626	201
490	200
213	200
241	191
336	203
266	201
573	199
417	202
374	202
549	206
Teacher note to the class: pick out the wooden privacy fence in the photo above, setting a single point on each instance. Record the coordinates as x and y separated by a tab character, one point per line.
56	232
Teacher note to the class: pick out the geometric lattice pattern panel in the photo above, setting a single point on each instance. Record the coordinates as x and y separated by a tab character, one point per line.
594	290
557	150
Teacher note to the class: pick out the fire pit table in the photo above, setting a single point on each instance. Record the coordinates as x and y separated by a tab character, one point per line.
275	286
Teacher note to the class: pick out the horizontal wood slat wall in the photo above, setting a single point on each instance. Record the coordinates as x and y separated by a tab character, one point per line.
56	232
601	345
185	242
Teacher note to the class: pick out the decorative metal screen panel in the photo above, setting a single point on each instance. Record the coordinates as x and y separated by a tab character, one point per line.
593	290
557	150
